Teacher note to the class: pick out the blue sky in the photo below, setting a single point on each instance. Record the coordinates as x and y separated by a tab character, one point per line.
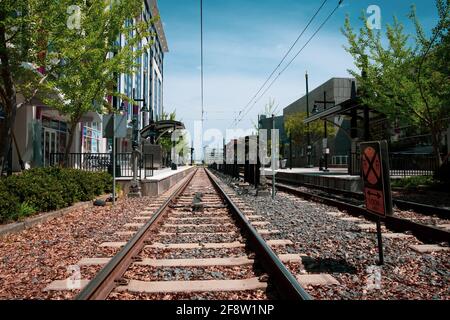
246	39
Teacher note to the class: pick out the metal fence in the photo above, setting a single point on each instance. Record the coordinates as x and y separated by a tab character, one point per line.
402	165
413	165
102	162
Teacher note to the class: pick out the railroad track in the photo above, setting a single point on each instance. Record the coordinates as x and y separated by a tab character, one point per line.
422	231
200	217
421	208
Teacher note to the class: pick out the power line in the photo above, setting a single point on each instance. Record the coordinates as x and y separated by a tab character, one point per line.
285	56
292	60
201	56
202	65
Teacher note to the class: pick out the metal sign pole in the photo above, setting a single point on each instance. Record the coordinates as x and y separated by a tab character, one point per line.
273	157
377	187
114	157
380	243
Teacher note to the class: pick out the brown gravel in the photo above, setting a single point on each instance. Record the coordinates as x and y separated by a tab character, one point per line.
144	273
198	253
432	198
33	258
340	249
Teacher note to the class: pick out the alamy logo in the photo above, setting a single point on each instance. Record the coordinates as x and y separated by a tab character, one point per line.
74	280
74	19
373	278
374	20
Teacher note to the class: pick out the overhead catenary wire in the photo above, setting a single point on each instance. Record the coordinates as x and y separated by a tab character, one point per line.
291	61
286	55
201	67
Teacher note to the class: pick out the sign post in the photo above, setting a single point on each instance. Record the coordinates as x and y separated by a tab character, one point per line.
114	126
377	183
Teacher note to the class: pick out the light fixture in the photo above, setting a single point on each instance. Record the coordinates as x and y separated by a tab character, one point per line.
145	107
315	110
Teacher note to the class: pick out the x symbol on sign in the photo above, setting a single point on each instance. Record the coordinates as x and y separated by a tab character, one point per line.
371	168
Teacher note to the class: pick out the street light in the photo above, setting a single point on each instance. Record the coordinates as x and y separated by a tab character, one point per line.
174	165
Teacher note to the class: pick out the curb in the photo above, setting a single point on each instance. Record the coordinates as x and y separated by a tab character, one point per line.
45	217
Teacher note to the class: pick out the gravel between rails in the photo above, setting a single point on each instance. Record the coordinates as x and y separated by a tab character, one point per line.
268	294
339	248
405	214
432	198
420	218
198	253
143	273
31	259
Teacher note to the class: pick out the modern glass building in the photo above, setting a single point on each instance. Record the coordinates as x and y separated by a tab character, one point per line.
146	84
42	131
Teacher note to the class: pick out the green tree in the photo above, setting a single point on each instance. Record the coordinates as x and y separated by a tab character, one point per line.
269	109
20	26
85	56
166	141
295	127
408	83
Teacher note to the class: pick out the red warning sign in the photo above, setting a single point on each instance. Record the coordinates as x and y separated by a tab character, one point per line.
374	201
372	165
376	178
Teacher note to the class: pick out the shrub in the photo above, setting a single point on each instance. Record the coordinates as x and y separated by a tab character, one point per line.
413	182
26	210
9	203
47	189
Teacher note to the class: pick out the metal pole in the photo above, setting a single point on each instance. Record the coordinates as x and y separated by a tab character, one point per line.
380	243
114	157
308	125
290	150
326	132
273	157
10	159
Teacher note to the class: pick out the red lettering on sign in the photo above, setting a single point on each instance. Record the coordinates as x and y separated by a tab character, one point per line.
374	201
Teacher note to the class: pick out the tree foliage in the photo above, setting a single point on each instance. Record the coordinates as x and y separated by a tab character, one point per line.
74	43
20	26
410	84
84	54
295	127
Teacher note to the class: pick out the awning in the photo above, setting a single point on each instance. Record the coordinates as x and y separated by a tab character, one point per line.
157	129
91	116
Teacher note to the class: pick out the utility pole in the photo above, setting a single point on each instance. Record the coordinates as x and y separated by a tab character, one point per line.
273	157
174	165
192	154
325	144
308	125
290	150
202	73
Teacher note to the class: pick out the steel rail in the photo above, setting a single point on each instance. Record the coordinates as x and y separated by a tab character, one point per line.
104	282
287	285
421	231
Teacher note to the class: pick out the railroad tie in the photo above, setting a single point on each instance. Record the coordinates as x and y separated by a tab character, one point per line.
193	286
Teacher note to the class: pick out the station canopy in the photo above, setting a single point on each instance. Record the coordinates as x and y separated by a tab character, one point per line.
160	128
346	108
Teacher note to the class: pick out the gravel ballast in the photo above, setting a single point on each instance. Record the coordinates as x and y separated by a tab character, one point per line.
33	258
341	249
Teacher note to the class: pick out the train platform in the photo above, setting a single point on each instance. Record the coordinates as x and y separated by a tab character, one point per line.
335	178
156	184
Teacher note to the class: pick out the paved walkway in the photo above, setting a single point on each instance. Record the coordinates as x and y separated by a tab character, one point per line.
158	174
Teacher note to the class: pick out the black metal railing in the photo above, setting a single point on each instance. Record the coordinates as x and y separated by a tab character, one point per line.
402	165
413	165
102	162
